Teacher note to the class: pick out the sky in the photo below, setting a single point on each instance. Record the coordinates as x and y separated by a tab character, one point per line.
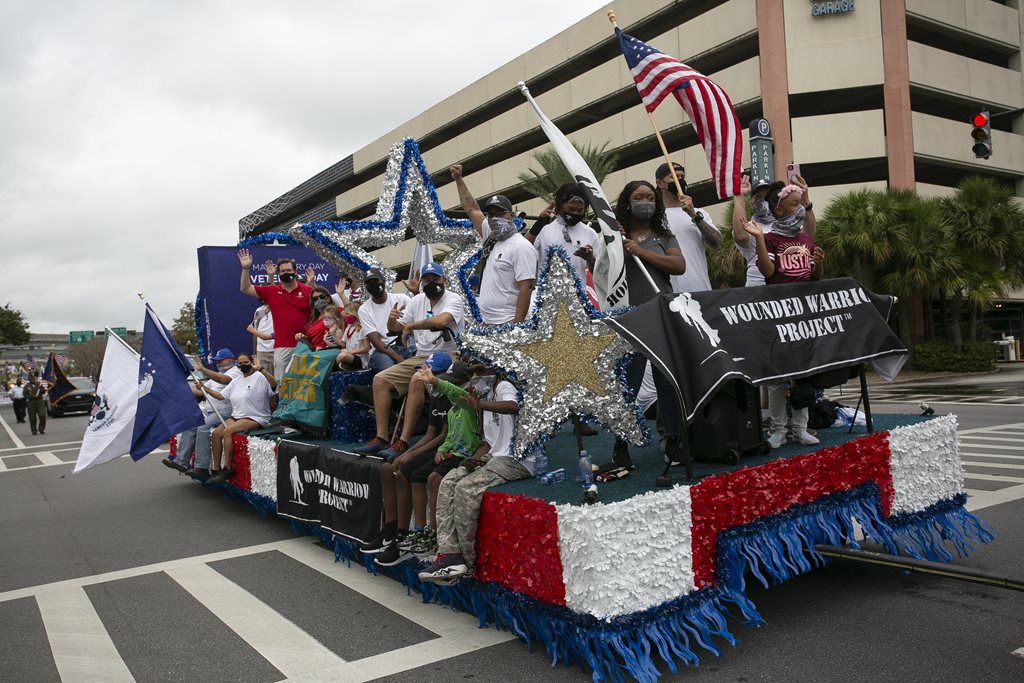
133	132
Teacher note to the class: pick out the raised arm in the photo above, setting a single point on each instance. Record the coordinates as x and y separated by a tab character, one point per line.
467	200
245	260
739	212
712	235
764	262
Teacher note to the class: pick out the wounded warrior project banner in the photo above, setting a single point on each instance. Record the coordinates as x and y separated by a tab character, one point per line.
762	334
334	490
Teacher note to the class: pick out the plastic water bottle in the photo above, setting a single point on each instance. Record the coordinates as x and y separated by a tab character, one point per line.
586	474
553	477
540	462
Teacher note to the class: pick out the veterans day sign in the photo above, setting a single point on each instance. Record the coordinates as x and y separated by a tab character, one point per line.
762	335
338	491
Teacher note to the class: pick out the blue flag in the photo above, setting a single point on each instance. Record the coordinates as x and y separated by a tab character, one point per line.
60	385
166	404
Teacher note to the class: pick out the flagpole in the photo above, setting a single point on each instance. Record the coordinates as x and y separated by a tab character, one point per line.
657	133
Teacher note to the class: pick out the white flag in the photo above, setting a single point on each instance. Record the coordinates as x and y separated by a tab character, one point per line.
610	264
109	433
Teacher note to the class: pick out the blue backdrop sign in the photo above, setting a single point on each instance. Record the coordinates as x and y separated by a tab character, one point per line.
222	311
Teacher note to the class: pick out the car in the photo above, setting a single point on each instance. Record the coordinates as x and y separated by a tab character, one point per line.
78	401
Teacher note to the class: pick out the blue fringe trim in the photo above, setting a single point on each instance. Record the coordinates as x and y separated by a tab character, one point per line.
921	534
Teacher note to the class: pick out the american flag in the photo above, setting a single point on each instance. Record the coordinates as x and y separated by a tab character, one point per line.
59	357
706	104
31	363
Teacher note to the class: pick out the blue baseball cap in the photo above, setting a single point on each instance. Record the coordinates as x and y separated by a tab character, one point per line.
223	354
432	269
438	361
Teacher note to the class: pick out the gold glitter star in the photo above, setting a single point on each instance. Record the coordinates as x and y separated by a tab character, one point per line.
569	357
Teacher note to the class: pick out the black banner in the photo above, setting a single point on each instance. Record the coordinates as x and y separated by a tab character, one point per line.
335	490
762	334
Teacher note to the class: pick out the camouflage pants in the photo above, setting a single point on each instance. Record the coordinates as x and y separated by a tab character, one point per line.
458	503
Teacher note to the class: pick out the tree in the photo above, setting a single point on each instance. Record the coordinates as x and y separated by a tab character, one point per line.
184	328
13	326
553	172
854	231
988	236
726	266
86	359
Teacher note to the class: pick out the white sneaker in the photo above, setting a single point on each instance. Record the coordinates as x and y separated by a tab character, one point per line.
805	438
776	439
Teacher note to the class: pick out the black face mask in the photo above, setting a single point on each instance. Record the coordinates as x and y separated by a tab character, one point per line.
433	289
245	368
571	219
670	187
375	288
287	277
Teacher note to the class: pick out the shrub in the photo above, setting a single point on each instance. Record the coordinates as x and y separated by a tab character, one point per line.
941	357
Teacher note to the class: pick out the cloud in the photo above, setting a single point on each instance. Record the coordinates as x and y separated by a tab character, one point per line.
134	132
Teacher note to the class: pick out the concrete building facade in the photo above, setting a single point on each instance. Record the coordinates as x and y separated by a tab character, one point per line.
860	93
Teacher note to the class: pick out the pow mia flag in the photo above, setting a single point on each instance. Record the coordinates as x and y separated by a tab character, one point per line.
762	335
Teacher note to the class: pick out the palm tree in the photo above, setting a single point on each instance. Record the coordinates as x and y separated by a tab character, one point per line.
988	233
553	173
854	232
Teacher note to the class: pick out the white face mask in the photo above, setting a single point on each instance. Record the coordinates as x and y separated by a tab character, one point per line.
481	385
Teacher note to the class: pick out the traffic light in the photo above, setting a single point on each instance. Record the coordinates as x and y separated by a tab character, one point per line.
982	135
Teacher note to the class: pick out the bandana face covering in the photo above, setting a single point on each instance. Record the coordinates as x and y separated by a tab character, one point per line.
791	225
762	214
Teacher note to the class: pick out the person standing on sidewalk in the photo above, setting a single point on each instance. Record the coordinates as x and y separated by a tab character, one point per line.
35	395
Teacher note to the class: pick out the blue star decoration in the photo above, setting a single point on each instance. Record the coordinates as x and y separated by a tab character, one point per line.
408	203
564	359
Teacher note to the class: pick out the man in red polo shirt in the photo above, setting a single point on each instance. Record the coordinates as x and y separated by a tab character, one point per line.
288	302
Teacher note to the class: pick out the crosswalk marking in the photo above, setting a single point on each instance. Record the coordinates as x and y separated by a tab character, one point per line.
1000	465
48	458
48	445
288	648
984	438
975	448
81	647
994	477
10	432
1000	456
977	500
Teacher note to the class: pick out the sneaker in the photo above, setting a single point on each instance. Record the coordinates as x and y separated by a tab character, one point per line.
372	447
221	477
198	472
359	394
776	439
445	568
806	438
393	554
215	477
396	448
425	543
377	545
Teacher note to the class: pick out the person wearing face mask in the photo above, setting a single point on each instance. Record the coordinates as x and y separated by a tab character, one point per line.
569	231
508	262
692	229
355	347
641	216
374	314
289	301
786	254
323	316
460	493
250	396
198	441
433	318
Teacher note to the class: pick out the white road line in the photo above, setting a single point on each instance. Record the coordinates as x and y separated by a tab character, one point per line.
3	467
993	477
1019	652
993	428
290	649
10	432
1007	399
460	633
48	458
981	444
1001	456
11	470
43	445
977	500
987	437
1002	466
151	568
81	647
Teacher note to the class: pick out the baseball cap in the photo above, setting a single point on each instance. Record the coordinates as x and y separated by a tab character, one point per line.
223	354
760	185
438	361
499	200
432	269
663	171
457	374
374	274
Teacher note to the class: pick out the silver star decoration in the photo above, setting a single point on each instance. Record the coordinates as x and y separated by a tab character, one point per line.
420	212
565	360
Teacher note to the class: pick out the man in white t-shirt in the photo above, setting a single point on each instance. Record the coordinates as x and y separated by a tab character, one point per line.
692	228
432	317
568	231
509	260
374	314
462	489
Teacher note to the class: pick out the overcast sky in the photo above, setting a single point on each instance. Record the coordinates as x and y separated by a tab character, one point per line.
133	132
